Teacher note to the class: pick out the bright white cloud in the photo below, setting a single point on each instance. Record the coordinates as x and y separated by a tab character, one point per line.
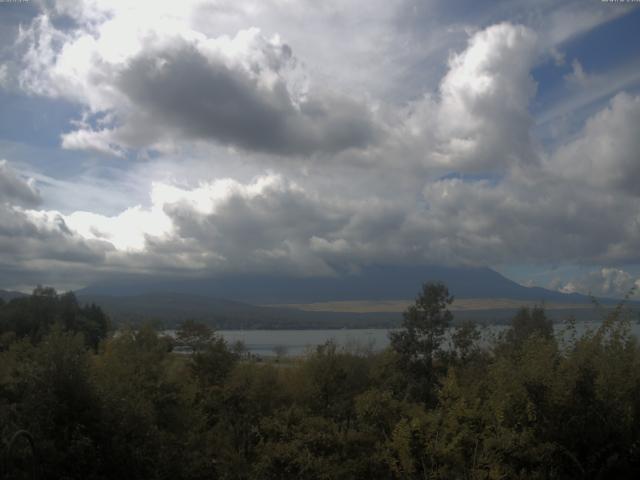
606	282
127	231
131	230
480	120
484	121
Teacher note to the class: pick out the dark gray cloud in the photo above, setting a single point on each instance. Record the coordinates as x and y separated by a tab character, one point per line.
530	216
169	89
181	90
271	227
531	221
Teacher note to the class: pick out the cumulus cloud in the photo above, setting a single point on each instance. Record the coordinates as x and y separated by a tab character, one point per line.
454	177
274	224
157	85
161	83
605	155
530	221
606	282
484	121
35	245
265	224
35	242
480	121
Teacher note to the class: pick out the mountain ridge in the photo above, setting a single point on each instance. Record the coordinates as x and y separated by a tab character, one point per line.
7	295
372	283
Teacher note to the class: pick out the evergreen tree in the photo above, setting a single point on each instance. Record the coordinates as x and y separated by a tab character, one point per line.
418	343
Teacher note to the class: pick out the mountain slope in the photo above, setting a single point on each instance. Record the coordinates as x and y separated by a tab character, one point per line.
171	309
7	295
372	283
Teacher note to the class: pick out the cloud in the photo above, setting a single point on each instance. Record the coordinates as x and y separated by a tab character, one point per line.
453	177
273	224
4	76
128	231
605	154
577	76
15	190
168	82
224	225
569	20
151	87
606	282
522	219
204	98
480	121
35	245
484	120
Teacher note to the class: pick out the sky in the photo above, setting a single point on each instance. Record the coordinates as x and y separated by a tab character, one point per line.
198	138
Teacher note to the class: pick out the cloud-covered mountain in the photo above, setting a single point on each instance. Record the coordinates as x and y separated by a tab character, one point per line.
371	283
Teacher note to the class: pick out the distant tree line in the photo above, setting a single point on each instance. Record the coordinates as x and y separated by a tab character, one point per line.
439	403
33	317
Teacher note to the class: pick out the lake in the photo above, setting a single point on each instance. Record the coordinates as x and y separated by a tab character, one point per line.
298	342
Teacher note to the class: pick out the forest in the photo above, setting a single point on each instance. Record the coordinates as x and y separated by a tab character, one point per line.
80	399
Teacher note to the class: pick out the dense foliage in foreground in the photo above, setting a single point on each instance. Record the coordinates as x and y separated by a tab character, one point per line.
524	405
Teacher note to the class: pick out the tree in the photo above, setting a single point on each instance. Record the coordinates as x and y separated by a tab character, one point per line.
528	322
33	317
47	390
465	340
195	335
144	417
333	378
418	342
212	363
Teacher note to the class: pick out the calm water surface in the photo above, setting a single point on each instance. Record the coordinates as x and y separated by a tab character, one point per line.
298	342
